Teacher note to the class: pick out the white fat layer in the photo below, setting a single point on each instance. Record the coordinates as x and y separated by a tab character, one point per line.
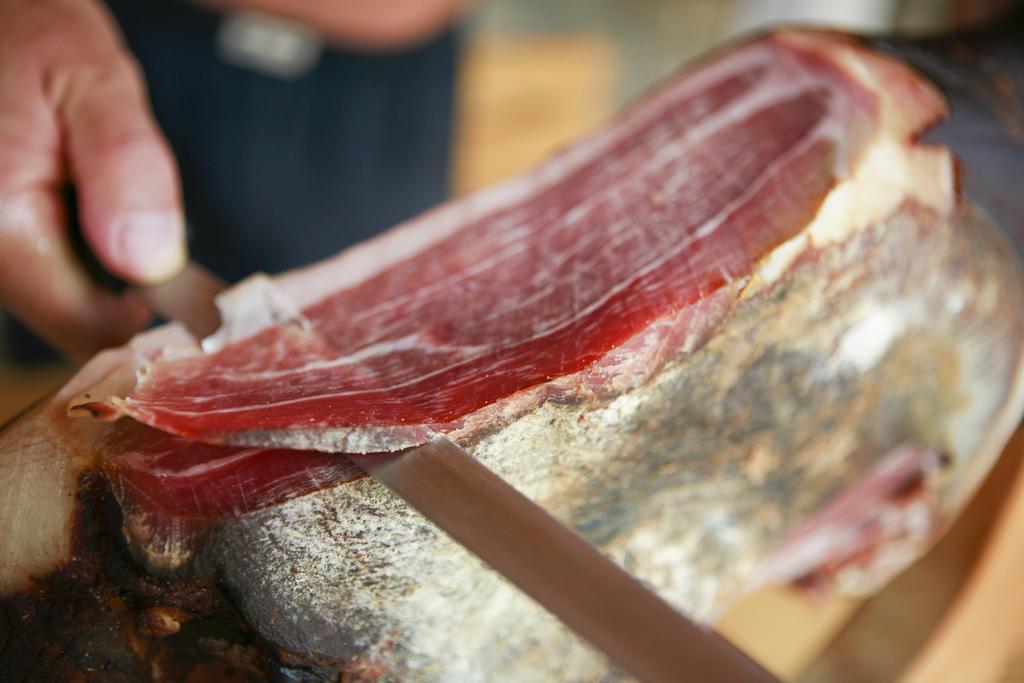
250	306
890	174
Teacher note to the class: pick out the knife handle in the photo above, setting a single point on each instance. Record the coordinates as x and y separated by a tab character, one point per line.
187	297
100	276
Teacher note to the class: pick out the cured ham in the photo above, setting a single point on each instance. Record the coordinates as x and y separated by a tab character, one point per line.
171	476
751	315
518	288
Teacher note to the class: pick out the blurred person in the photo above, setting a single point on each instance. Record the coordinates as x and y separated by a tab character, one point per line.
282	136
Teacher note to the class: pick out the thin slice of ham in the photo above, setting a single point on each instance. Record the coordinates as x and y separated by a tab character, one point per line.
169	476
479	310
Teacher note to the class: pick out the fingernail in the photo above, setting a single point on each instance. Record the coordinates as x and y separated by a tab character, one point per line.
150	246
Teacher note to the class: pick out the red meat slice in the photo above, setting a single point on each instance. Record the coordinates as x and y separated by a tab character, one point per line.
170	476
521	290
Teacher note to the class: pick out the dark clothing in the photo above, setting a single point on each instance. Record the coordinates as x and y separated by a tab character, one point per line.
277	173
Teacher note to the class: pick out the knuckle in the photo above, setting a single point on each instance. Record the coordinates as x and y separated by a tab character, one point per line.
68	81
119	71
126	139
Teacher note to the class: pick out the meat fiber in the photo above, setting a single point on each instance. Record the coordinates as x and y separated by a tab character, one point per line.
686	337
178	477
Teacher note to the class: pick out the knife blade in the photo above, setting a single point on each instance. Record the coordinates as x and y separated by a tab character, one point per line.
188	297
556	567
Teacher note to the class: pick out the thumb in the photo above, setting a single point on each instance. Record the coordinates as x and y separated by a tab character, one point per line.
129	199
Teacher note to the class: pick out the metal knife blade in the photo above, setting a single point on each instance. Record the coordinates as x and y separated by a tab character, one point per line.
553	565
188	297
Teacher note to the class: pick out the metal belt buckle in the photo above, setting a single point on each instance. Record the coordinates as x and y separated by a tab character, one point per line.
268	44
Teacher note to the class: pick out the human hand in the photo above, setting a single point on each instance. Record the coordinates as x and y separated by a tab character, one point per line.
73	109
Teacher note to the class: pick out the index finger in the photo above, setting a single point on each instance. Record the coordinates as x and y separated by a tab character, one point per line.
127	180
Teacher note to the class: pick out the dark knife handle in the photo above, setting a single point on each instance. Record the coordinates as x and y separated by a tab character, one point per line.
188	297
102	277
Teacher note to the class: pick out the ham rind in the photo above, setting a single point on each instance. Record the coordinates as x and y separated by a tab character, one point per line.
519	294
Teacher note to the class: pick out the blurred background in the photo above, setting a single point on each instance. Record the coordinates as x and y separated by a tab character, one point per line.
528	77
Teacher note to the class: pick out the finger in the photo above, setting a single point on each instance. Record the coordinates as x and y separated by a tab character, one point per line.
43	284
129	199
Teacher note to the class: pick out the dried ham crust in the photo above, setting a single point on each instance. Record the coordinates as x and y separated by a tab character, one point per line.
581	278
